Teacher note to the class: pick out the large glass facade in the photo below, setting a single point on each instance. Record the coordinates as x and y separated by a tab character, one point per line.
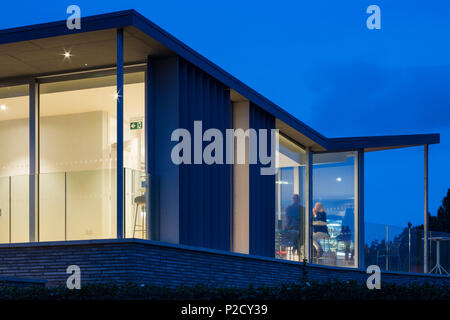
290	201
14	164
78	158
77	165
329	239
334	210
77	182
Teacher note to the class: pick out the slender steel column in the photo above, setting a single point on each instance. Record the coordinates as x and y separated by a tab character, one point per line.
120	97
360	213
309	204
409	246
148	152
34	162
387	247
152	188
425	213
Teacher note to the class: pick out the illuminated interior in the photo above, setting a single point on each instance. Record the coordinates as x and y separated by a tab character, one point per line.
290	201
77	160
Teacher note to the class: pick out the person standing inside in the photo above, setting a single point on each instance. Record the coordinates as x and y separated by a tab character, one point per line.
294	222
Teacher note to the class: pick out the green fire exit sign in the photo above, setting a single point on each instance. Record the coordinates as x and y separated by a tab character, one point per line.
136	125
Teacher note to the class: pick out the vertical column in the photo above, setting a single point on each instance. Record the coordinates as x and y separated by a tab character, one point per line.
387	247
34	161
152	193
120	175
296	180
425	213
308	203
241	187
359	234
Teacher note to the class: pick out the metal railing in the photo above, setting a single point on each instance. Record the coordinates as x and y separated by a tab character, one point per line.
394	248
75	205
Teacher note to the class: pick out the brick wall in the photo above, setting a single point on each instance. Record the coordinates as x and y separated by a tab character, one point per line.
21	282
156	263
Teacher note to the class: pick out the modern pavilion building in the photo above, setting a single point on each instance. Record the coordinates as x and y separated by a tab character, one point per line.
87	175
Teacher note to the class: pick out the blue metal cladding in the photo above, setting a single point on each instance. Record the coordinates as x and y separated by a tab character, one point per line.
262	194
205	190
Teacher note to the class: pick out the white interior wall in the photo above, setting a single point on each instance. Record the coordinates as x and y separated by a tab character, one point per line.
19	209
74	143
4	209
14	147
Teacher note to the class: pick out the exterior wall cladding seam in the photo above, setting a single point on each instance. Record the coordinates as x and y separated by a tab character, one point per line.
262	194
205	195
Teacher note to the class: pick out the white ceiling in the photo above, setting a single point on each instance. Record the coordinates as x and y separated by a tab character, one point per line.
88	49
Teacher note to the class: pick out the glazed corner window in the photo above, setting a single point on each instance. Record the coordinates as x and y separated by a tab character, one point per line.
77	181
14	164
78	158
290	194
334	209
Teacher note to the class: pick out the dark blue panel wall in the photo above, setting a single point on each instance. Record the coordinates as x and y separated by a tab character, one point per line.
161	120
262	194
205	190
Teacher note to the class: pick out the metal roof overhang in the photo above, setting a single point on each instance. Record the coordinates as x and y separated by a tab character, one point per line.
162	40
379	143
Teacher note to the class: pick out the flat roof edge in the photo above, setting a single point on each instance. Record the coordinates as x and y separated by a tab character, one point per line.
127	18
105	21
382	141
184	51
131	17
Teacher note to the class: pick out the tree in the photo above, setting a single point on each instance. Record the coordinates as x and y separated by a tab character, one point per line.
441	222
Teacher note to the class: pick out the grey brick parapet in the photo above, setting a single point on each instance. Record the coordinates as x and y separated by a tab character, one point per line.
157	263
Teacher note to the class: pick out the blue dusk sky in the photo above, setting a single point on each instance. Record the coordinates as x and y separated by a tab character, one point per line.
319	61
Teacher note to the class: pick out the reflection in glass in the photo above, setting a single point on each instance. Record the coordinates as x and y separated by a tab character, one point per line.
333	219
290	202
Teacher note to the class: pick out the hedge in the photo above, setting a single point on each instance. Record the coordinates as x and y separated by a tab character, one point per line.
306	290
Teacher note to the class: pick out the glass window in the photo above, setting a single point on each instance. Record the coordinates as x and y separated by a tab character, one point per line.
78	161
134	156
290	201
334	215
14	164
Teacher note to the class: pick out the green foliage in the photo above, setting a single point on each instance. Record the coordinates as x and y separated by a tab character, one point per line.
441	222
304	290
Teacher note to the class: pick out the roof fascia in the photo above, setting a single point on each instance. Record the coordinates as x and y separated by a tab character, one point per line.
113	20
382	141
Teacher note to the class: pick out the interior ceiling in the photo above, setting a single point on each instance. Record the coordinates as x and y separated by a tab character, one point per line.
236	96
89	50
297	136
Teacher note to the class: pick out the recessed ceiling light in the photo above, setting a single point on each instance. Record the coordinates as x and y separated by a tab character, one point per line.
66	55
3	107
338	179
